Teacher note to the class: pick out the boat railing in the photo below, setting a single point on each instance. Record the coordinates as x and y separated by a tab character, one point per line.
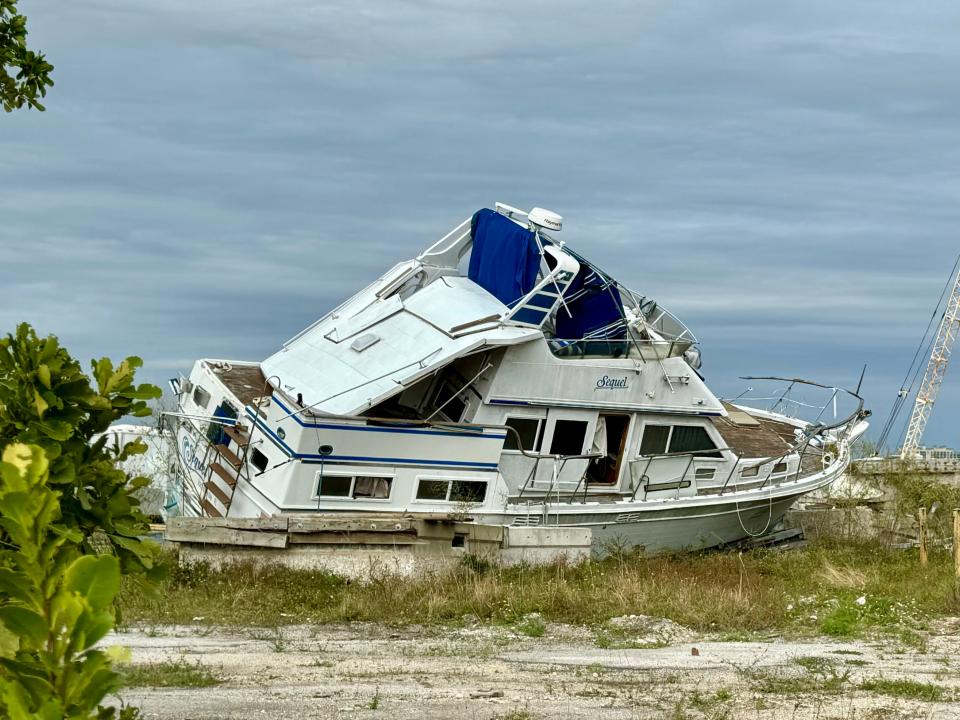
616	348
814	434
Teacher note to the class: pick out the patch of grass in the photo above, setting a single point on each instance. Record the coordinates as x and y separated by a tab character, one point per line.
523	714
609	638
844	621
808	591
823	679
531	625
374	703
173	673
815	664
910	689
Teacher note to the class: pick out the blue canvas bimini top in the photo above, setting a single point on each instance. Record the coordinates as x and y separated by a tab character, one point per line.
505	258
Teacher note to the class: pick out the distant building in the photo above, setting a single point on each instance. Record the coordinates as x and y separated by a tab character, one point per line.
937	453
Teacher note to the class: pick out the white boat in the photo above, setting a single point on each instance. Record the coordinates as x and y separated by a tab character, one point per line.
500	376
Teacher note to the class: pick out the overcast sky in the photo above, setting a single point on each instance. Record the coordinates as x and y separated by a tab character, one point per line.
212	176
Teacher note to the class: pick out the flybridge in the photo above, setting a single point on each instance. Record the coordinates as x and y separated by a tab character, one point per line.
521	285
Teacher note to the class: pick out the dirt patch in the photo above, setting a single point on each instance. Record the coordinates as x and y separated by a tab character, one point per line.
486	672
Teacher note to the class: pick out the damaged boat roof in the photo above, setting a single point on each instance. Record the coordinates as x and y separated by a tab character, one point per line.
350	361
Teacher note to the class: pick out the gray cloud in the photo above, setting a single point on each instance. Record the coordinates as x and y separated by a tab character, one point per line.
210	176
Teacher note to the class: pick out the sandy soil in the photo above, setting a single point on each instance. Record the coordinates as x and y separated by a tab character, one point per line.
484	672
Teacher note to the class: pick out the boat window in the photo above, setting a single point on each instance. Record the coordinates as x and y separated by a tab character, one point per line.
654	439
359	487
461	491
750	471
334	486
530	431
433	489
568	436
705	473
692	438
780	467
258	460
469	491
201	398
452	405
367	486
215	430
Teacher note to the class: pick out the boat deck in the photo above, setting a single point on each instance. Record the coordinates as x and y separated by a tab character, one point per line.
246	382
757	437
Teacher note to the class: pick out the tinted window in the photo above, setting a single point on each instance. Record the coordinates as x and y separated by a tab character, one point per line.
527	429
432	490
467	491
654	439
258	460
333	486
568	437
692	438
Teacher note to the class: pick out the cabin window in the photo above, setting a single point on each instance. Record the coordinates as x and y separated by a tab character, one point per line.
659	439
654	439
705	473
215	432
459	491
201	398
433	489
258	460
779	468
750	471
530	431
361	487
449	403
334	486
468	491
692	438
568	436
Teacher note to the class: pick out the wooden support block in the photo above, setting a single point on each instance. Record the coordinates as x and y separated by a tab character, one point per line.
922	531
956	546
355	538
350	524
226	536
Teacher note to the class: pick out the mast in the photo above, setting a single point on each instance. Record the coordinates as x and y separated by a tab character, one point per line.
933	375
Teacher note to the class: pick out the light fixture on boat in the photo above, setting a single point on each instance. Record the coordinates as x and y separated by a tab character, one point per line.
546	219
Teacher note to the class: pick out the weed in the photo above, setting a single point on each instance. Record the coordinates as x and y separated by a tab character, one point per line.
175	673
824	680
521	714
809	590
531	625
374	703
905	689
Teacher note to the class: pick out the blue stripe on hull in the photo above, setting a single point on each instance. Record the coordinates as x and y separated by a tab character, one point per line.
316	458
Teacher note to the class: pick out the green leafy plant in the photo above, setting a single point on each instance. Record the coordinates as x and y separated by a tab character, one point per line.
47	400
56	603
24	74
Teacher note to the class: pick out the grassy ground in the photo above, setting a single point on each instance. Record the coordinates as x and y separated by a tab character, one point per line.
173	673
831	588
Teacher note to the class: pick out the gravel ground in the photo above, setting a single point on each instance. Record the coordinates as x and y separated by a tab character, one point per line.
485	672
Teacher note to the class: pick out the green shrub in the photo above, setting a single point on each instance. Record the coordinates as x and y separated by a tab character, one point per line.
57	602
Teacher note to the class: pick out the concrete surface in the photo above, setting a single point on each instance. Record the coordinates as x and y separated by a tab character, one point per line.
372	671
